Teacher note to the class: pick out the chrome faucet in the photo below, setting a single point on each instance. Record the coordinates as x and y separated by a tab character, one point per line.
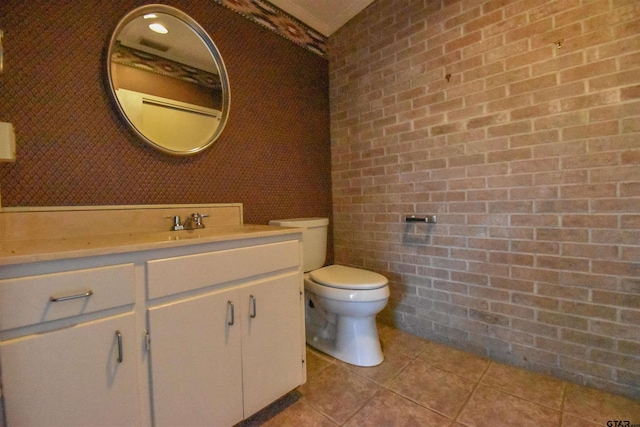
193	222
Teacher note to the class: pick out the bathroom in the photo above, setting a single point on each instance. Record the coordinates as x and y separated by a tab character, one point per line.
515	122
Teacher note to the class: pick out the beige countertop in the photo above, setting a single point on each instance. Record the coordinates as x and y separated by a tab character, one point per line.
22	251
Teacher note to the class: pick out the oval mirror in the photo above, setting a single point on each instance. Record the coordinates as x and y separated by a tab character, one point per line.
168	80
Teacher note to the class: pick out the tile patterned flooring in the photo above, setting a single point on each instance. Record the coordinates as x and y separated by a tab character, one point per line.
422	383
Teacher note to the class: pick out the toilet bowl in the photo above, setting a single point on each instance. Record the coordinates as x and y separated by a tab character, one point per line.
341	302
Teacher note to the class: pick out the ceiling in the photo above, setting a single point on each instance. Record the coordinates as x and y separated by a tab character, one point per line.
324	16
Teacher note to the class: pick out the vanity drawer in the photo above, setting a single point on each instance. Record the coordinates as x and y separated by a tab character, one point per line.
180	274
36	299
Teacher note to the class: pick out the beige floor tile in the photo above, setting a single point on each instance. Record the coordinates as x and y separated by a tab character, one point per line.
538	388
455	361
433	388
599	407
383	373
316	361
401	342
573	421
299	414
392	410
337	392
489	408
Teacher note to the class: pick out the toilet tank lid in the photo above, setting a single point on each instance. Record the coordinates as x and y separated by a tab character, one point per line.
343	277
300	222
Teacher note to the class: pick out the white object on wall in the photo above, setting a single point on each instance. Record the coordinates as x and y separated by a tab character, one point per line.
7	143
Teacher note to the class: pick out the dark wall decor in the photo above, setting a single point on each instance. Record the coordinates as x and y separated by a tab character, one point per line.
73	149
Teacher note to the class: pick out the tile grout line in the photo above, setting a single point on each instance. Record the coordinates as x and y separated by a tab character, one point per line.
475	387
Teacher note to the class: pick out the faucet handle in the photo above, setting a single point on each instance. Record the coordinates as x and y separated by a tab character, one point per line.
177	225
198	219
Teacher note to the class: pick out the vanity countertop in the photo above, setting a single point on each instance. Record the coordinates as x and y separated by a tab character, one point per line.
22	251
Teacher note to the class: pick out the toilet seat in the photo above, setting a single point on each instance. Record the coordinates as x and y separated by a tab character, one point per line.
343	277
343	283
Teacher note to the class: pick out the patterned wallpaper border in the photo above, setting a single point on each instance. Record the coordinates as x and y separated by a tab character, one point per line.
275	19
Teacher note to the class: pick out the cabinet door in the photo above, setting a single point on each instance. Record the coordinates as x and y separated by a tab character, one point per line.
272	340
195	361
73	376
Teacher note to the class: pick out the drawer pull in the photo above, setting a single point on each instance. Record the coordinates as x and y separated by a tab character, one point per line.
254	312
69	297
233	314
119	337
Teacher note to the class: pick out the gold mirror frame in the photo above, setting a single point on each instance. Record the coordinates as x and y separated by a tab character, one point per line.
158	134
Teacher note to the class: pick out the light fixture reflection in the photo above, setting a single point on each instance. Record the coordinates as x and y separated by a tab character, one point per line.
158	28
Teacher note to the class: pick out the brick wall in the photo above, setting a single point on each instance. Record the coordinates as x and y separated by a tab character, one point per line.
518	124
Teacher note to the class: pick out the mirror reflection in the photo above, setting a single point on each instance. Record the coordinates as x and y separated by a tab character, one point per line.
168	80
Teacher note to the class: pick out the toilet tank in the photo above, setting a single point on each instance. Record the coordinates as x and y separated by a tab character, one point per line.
314	239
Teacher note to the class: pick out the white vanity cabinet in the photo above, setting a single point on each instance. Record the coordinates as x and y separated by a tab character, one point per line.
227	333
68	353
198	327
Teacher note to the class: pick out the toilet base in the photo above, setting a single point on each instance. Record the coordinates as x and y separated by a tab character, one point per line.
352	340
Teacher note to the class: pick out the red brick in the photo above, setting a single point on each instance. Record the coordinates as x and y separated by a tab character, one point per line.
588	191
588	339
562	206
535	138
510	181
561	177
536	111
587	101
462	18
551	8
557	63
628	109
620	47
463	41
484	71
630	157
590	131
501	52
590	251
501	79
534	84
549	248
530	30
487	20
482	97
509	103
558	92
590	221
541	56
632	92
486	121
583	12
616	16
510	129
547	38
588	71
482	46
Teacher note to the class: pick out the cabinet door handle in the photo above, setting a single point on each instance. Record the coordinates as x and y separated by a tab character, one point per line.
254	312
119	337
68	297
233	313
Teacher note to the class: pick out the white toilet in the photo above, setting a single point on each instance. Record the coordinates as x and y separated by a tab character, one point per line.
341	302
